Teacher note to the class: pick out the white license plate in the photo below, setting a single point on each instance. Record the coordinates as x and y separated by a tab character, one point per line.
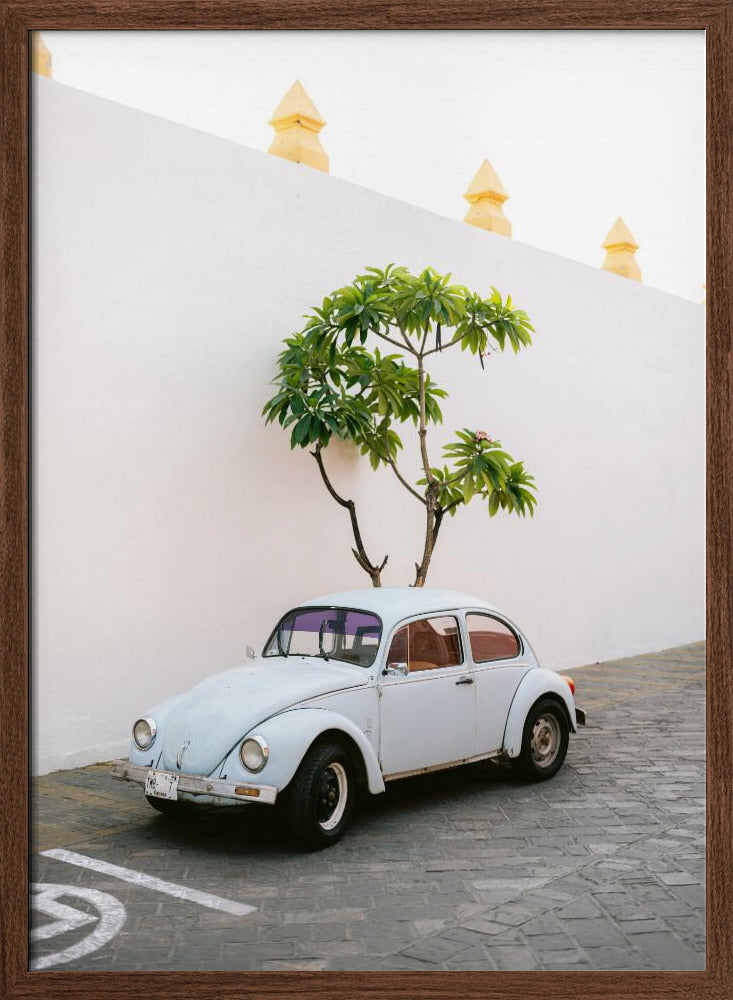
161	785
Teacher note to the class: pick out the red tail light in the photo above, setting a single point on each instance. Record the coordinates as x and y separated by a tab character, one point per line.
569	681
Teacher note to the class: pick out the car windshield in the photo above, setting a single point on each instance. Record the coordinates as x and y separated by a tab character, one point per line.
331	633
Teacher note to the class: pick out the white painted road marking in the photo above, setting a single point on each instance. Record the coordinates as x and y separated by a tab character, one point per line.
67	918
150	882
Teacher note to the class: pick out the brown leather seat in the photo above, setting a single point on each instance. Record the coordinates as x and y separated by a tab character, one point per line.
427	648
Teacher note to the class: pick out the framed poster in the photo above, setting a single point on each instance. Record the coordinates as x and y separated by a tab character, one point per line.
180	185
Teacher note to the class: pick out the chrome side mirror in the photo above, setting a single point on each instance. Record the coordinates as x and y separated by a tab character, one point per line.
251	655
396	670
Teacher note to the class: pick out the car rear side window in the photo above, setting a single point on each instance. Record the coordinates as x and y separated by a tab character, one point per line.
427	644
490	639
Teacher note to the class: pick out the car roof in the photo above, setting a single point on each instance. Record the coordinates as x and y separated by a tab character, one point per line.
392	604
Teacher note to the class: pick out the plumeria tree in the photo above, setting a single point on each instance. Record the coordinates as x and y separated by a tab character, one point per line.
335	380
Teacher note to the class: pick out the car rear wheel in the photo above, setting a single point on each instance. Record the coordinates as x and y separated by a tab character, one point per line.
545	741
319	800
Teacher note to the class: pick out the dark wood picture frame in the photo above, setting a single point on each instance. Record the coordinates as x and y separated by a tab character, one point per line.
18	19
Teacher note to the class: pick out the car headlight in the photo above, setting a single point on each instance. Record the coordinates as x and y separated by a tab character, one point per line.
253	753
144	732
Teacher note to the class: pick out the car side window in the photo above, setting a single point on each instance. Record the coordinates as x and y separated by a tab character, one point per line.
490	639
427	644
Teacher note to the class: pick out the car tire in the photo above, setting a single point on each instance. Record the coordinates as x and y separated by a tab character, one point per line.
318	802
544	741
167	807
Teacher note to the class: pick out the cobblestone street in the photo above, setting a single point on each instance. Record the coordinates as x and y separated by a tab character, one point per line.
603	867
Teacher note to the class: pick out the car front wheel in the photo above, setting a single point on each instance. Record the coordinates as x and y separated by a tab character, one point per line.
319	800
545	741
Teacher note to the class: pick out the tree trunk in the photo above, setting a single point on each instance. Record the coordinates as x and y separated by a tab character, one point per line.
432	527
433	514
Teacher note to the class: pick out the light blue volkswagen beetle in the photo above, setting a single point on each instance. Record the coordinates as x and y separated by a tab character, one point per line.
355	689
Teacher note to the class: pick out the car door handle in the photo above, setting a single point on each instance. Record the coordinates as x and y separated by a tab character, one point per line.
465	680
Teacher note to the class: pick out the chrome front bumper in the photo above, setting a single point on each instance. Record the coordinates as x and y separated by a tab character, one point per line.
196	787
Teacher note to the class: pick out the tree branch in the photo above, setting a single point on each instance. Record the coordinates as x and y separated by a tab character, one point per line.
407	345
451	343
454	479
450	506
431	493
423	427
397	472
406	339
440	512
360	555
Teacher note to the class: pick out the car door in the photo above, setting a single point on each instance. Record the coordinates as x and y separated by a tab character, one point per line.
427	714
498	665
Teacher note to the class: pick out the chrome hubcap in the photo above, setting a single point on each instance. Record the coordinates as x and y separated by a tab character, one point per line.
545	743
332	795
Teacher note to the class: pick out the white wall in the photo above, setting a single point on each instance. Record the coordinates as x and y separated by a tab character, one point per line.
170	527
622	134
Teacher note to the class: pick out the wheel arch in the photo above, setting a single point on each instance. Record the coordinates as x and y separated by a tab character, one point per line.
554	696
347	741
291	734
535	684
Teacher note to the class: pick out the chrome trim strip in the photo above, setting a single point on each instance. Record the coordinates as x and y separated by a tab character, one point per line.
444	767
153	731
197	784
262	744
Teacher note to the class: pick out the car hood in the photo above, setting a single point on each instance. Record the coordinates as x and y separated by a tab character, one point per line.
216	713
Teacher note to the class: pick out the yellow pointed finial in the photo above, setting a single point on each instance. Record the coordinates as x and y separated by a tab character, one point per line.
486	196
620	247
40	56
297	122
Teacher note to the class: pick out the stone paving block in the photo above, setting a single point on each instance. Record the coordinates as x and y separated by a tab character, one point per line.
585	906
489	927
689	928
324	916
560	958
541	943
513	957
642	926
245	953
328	932
546	923
624	907
511	914
475	956
617	958
464	934
693	895
678	878
329	948
595	932
567	966
295	965
435	949
291	932
210	920
666	951
459	965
